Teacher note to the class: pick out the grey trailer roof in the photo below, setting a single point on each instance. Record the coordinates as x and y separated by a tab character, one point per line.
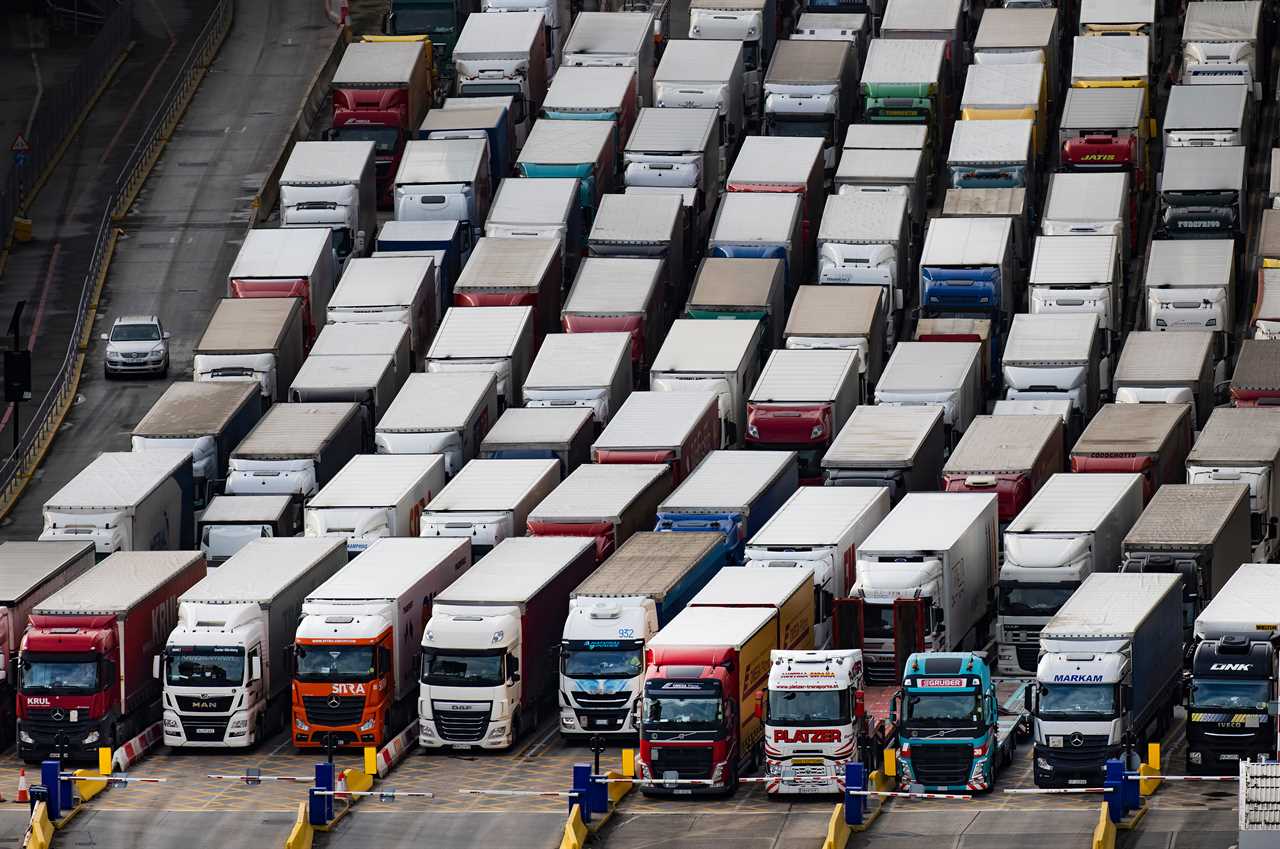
648	563
1200	107
848	23
501	263
1102	108
295	430
866	217
280	252
904	60
345	338
492	484
545	426
1268	305
546	200
662	419
326	163
244	508
196	409
807	63
119	583
1039	407
728	479
695	345
1087	196
994	86
952	326
25	566
613	285
926	15
1152	357
1073	260
800	376
511	34
596	491
515	571
1118	11
357	371
630	219
1005	28
262	569
1191	169
469	118
574	360
1258	365
245	325
609	33
1072	502
594	88
414	230
932	521
670	130
729	5
1186	514
777	160
1228	21
833	311
998	444
926	366
372	65
967	241
1116	58
816	514
765	217
374	480
985	202
399	562
1051	338
1190	262
1110	604
690	61
434	161
1131	428
878	437
983	140
869	165
118	479
1268	235
1234	435
382	281
436	401
886	137
733	282
478	332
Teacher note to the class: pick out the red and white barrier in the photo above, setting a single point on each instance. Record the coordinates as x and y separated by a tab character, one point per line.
896	794
394	752
133	750
338	11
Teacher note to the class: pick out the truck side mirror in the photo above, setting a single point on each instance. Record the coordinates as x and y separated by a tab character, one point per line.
255	669
859	704
1029	698
759	706
155	666
102	336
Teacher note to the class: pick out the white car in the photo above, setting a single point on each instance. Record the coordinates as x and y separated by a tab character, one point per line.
137	344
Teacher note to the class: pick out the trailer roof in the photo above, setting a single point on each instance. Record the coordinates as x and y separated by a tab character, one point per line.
1117	11
706	345
687	61
648	563
1102	108
1190	169
1131	428
596	491
903	60
1248	603
262	569
952	326
1100	58
1073	260
661	419
576	360
1039	407
1237	435
442	231
437	401
1051	338
850	23
593	88
367	64
116	479
728	480
281	252
346	338
546	426
1269	234
967	241
927	15
375	480
476	332
1155	356
120	583
870	217
777	160
26	566
802	376
546	200
767	217
492	484
931	521
638	218
1190	262
515	570
670	130
880	164
996	86
876	437
509	32
926	366
247	325
1257	365
1111	603
382	281
807	62
886	137
1005	28
1187	514
834	311
988	203
399	563
245	508
818	515
752	587
999	140
1071	502
327	163
1202	107
507	263
1268	305
736	282
999	444
1087	196
196	409
295	430
435	161
714	626
609	33
355	371
1229	21
613	285
460	118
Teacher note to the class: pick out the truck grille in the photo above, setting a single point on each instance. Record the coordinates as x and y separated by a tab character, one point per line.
204	730
882	672
191	704
41	724
942	764
1092	751
1028	656
462	726
333	710
606	701
685	761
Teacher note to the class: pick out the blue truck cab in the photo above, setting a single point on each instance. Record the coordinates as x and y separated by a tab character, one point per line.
579	149
760	225
441	240
967	268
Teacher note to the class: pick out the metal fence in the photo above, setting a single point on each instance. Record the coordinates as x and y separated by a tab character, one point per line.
20	465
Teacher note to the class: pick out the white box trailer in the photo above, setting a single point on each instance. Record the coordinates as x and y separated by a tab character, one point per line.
762	225
696	74
741	289
1000	91
928	373
562	434
1098	203
864	239
367	379
1079	274
811	89
1242	445
1190	285
381	339
899	448
1008	203
440	413
886	137
1160	368
1203	193
1199	116
1054	357
678	429
1220	45
545	208
498	340
723	357
515	273
967	266
905	170
990	153
259	340
331	184
676	149
445	180
288	263
605	502
623	295
375	496
379	289
801	401
614	39
489	501
586	370
505	54
1024	36
840	317
296	449
649	226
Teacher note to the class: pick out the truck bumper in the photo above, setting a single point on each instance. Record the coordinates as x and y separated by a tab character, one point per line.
498	735
77	742
596	723
1052	772
203	731
784	779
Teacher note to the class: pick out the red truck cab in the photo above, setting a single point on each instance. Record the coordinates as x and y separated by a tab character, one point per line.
1152	440
1012	456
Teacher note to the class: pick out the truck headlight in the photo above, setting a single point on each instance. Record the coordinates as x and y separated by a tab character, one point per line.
753	431
816	432
1195	757
239	724
25	737
497	732
367	725
171	723
92	737
566	721
1043	763
300	725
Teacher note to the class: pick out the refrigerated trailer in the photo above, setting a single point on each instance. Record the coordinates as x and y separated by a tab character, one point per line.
1202	116
614	39
440	413
1150	439
584	370
1008	203
1190	285
546	208
373	497
705	75
928	373
581	149
1255	382
607	503
261	341
1105	129
1049	357
653	227
762	226
367	379
1220	46
288	263
445	180
619	295
562	434
676	150
992	154
498	340
1202	193
1100	203
232	521
1167	368
899	448
1006	91
1080	274
489	500
1011	457
1242	445
502	55
904	170
296	449
677	429
399	289
967	267
810	89
381	339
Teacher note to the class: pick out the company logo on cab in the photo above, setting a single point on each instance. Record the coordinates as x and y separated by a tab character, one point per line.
807	735
348	689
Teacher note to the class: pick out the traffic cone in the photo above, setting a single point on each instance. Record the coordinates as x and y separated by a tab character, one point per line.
340	790
24	796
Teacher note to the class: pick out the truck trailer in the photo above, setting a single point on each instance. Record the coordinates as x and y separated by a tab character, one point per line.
678	429
489	501
1012	457
440	413
1167	368
288	263
231	522
296	449
608	503
1150	439
256	341
331	184
562	434
1242	445
899	448
374	496
498	340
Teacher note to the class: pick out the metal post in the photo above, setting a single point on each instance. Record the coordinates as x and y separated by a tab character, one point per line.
1115	792
580	792
325	781
316	803
50	776
855	778
329	746
597	748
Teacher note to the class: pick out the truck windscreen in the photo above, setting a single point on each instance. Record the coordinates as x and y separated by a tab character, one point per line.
59	674
1230	694
336	663
1034	599
1075	701
602	659
683	706
932	710
809	707
455	668
417	21
384	138
197	666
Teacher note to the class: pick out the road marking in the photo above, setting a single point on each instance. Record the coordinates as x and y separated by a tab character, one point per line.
168	51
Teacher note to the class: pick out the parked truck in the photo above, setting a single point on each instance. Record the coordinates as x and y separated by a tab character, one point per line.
1150	439
604	94
445	180
614	39
762	226
231	522
289	263
375	496
546	208
1167	368
446	414
366	379
677	429
1054	356
1014	457
787	165
489	650
696	74
1081	274
752	23
257	341
590	371
608	503
562	434
356	654
1072	528
1190	285
899	448
1108	675
225	666
85	660
1220	47
677	150
331	184
841	318
653	225
439	20
377	339
613	614
505	272
1203	193
722	357
967	267
581	149
395	289
1242	445
810	89
496	340
614	294
489	500
296	449
943	373
479	121
1254	381
504	55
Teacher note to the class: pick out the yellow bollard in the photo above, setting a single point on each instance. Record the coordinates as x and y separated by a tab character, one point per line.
370	760
628	763
104	760
22	229
891	763
1147	786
